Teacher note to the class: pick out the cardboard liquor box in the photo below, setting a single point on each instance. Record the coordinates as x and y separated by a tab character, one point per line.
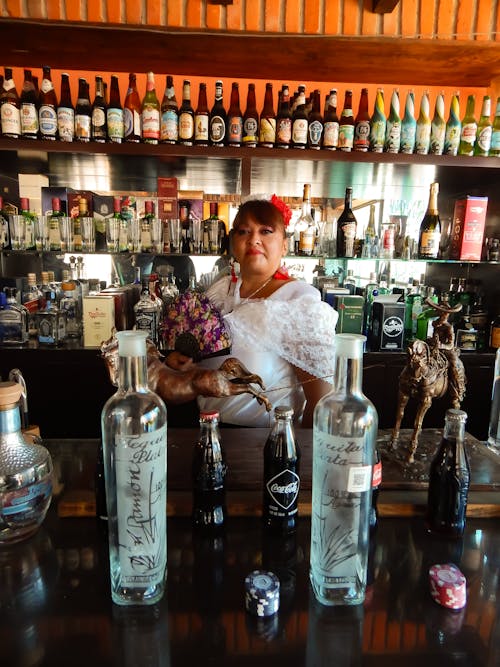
469	218
48	193
387	325
74	197
98	319
350	308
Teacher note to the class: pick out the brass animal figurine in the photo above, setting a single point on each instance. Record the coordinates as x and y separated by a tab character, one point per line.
433	369
231	379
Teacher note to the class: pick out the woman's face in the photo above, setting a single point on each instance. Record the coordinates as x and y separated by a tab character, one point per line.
257	247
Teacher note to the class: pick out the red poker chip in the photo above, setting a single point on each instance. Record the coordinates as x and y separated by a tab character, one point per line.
448	586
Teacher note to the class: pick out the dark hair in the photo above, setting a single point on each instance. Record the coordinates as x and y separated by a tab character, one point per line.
262	211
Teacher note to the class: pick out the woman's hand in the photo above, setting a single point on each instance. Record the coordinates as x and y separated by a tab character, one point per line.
178	361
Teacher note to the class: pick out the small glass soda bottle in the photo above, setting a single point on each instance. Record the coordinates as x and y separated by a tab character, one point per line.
209	474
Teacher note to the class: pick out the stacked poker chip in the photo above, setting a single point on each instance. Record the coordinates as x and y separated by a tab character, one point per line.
262	593
448	586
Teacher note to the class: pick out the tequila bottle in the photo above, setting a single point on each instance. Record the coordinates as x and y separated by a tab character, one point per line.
69	306
50	321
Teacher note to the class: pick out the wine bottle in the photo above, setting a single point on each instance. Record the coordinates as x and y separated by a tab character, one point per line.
344	438
10	116
169	121
430	227
346	128
47	109
201	118
331	122
29	108
300	124
186	116
469	128
135	470
346	228
484	129
98	117
217	126
423	136
267	123
284	120
65	112
362	124
132	111
392	142
234	118
453	127
408	125
83	113
378	123
150	113
438	127
115	122
251	119
54	232
315	120
495	134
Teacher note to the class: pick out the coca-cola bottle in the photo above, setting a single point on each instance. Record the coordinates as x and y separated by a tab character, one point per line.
281	473
209	474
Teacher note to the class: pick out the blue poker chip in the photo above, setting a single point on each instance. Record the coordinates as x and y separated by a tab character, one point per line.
262	593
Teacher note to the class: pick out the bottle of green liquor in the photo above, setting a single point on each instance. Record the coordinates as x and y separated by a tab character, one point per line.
378	123
408	125
423	137
484	129
393	126
453	127
469	129
438	127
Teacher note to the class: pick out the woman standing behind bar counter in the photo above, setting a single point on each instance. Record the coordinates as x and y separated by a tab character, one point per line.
280	328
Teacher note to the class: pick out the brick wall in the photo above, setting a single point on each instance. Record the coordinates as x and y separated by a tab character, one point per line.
428	19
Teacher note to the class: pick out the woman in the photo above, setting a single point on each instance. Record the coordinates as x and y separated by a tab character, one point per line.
279	326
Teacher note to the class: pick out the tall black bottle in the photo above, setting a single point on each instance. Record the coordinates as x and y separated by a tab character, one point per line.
209	474
346	228
281	474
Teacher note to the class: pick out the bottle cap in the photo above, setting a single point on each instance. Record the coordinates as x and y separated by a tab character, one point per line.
132	343
448	586
283	411
209	416
456	415
10	393
262	593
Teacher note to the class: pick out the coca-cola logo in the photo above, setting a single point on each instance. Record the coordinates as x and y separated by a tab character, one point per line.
284	488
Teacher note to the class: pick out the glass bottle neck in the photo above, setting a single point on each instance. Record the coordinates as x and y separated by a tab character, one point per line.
133	374
348	375
454	430
10	421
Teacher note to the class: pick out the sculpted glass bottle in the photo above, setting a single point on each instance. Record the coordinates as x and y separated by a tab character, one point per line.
378	124
393	128
453	127
209	471
430	227
344	439
134	436
408	125
438	127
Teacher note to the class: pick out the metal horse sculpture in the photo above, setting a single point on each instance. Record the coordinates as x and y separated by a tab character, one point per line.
433	369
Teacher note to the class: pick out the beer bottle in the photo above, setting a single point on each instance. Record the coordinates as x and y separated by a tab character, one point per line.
251	119
10	116
83	113
346	129
393	127
209	474
484	129
201	117
281	474
218	119
438	127
98	122
234	118
423	137
114	113
331	122
29	108
453	127
315	129
300	123
47	109
284	120
65	112
150	113
169	114
186	116
495	135
132	111
378	123
469	129
267	125
362	124
408	125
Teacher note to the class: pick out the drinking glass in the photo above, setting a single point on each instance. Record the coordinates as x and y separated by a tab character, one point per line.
112	234
66	232
157	234
213	236
174	227
18	232
42	232
88	234
134	235
197	234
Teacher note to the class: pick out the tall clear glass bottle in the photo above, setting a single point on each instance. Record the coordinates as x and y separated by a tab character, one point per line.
304	244
134	436
344	438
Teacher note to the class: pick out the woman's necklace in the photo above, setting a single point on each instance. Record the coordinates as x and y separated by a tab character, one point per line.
250	296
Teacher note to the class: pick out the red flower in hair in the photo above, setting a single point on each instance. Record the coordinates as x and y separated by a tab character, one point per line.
283	208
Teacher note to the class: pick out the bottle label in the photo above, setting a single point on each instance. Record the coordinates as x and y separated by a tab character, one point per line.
235	129
377	135
201	128
306	242
284	131
469	131
82	126
484	138
217	129
315	131
495	141
141	489
115	123
283	492
267	133
186	126
29	118
331	134
10	119
169	126
250	128
66	123
150	123
423	138
408	134
393	137
346	137
429	243
132	122
438	134
299	131
25	504
362	135
451	139
377	474
48	120
46	85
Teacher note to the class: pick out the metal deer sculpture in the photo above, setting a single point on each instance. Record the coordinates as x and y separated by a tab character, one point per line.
433	370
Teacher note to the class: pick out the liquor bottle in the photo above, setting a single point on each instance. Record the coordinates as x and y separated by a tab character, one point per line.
54	233
370	234
453	127
378	123
234	118
65	112
392	142
29	237
413	307
83	212
208	473
315	120
132	111
122	222
430	227
201	118
346	127
304	230
251	119
344	438
147	313
169	120
376	484
438	127
25	470
284	120
300	124
495	134
115	121
408	125
186	116
50	321
484	129
10	116
349	282
331	123
4	227
70	307
150	113
134	437
267	123
423	136
449	479
424	321
371	290
362	124
47	108
281	474
146	242
98	117
14	317
217	126
469	128
346	228
495	333
83	113
29	108
494	423
30	298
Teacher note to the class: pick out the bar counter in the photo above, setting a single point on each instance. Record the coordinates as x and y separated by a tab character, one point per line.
56	609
